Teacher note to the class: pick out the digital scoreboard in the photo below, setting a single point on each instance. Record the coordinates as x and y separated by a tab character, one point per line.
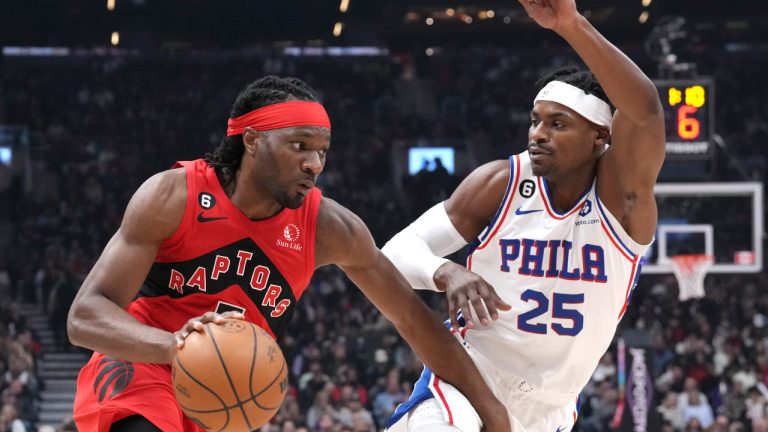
689	117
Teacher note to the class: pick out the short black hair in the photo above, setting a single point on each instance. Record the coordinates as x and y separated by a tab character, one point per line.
260	93
577	77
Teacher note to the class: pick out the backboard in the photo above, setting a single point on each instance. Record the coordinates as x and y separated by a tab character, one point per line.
724	220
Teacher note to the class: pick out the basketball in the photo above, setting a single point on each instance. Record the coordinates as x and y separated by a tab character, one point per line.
230	376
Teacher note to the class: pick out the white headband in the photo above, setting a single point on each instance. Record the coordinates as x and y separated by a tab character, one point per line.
590	107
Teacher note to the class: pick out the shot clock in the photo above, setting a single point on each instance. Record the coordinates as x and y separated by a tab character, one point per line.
689	117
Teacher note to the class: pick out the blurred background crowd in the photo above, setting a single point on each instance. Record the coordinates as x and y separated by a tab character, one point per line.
101	124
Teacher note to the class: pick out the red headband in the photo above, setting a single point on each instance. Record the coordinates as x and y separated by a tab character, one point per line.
280	115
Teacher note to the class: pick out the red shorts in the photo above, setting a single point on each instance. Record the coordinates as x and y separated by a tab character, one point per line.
109	390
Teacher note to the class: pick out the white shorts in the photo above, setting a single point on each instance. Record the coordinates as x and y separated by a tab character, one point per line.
532	410
528	410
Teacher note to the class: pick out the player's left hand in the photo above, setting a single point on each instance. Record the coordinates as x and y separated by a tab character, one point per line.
196	324
464	288
551	14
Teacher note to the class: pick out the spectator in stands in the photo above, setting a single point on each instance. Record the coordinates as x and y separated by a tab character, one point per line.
349	382
289	412
319	408
22	385
698	409
693	425
670	411
734	404
756	409
601	402
62	294
10	421
690	391
385	402
311	383
354	416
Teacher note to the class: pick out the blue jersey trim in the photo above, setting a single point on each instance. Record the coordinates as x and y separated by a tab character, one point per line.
421	391
549	199
509	191
610	227
471	248
634	282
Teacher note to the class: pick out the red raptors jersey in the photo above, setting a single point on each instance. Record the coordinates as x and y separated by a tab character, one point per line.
219	260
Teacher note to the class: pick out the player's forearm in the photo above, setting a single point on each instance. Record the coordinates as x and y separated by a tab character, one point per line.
99	324
388	291
628	88
418	249
414	259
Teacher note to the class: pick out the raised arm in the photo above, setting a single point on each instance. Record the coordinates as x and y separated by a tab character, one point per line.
344	240
98	319
627	171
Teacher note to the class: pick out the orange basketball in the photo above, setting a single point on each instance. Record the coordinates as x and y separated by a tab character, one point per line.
230	377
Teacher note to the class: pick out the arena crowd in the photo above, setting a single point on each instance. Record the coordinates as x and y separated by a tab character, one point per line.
100	125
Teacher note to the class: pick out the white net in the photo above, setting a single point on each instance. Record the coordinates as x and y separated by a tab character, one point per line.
690	271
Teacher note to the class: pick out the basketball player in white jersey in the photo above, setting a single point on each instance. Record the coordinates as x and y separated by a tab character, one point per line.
556	236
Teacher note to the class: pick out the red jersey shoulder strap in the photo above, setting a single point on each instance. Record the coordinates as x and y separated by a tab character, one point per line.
309	214
193	170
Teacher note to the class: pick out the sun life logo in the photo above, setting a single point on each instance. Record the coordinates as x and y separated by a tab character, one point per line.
291	232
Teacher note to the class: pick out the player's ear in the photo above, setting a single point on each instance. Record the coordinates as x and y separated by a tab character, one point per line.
602	135
251	138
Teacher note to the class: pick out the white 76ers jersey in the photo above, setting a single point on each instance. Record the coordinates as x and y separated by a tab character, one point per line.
568	277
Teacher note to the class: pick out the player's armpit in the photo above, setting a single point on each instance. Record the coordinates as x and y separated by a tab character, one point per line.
626	175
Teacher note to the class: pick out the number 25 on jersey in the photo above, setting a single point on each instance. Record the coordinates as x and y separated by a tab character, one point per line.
572	319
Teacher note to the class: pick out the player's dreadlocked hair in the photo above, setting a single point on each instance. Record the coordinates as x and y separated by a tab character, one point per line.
576	77
260	93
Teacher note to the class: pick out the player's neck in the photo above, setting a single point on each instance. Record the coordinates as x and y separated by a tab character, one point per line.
255	203
565	191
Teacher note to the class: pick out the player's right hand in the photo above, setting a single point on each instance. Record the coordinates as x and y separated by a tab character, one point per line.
197	324
551	14
464	288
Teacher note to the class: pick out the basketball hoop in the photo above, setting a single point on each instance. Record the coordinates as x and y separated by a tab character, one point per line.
690	271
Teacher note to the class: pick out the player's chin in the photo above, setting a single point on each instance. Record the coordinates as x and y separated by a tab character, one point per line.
539	170
294	202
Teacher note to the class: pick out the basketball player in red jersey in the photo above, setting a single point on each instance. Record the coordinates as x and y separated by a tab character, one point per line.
238	234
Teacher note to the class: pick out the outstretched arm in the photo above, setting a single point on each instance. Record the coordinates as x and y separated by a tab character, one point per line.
627	171
344	240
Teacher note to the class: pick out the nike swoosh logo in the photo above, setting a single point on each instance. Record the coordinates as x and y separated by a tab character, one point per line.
520	212
201	218
560	429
